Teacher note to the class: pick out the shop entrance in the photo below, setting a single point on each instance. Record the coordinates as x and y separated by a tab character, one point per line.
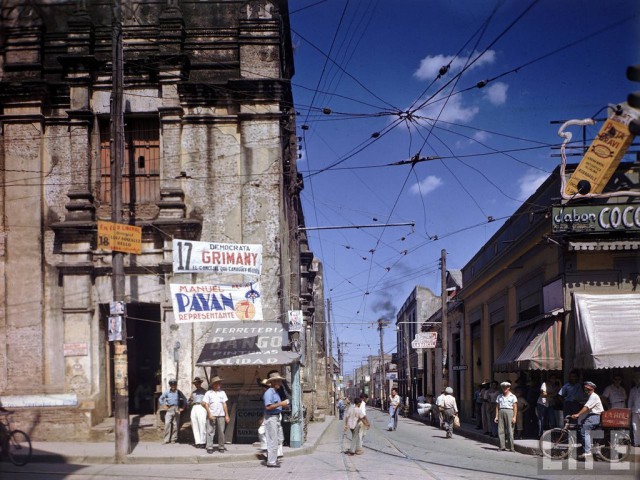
143	349
143	342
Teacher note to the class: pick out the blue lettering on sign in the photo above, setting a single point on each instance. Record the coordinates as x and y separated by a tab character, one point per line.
200	302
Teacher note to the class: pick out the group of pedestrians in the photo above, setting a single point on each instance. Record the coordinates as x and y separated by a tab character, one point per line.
210	415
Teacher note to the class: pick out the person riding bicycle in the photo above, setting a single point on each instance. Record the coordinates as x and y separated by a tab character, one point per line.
590	413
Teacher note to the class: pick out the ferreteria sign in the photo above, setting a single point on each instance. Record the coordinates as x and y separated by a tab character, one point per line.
596	218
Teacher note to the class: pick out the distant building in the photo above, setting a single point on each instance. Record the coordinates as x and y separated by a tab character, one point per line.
417	308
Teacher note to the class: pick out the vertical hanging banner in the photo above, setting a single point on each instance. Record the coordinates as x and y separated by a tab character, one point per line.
209	303
198	257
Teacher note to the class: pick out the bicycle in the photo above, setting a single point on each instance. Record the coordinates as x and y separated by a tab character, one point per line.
614	445
15	444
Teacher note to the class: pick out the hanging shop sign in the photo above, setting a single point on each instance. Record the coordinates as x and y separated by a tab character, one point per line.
119	237
603	156
596	218
246	343
425	340
199	257
209	303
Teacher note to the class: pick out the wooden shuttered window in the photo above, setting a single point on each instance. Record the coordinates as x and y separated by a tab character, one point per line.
141	169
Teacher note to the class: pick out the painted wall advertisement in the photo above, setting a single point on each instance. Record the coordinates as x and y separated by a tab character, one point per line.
248	420
209	303
198	257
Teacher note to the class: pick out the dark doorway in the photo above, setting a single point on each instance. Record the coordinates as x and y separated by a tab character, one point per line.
143	342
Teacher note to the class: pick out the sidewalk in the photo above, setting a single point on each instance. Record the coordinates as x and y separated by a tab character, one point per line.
157	453
527	446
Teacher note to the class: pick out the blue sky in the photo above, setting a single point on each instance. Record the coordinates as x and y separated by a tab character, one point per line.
546	60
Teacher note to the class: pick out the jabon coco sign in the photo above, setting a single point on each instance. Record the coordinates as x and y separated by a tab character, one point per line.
596	218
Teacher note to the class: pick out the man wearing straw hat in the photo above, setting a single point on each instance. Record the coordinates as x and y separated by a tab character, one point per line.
215	402
272	409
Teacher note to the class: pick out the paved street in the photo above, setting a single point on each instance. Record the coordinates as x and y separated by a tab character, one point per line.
414	451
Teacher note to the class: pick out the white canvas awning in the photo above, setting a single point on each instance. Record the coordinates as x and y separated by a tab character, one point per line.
606	330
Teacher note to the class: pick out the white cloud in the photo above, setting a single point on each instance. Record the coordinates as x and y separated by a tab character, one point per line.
430	65
530	182
455	111
496	93
481	136
429	184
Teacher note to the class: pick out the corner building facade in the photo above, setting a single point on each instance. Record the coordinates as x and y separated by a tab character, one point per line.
210	156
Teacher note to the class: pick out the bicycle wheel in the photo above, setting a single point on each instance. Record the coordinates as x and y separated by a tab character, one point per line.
19	448
556	443
616	448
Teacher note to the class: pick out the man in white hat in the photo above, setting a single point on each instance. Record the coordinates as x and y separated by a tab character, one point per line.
272	409
506	414
449	409
173	401
215	402
590	418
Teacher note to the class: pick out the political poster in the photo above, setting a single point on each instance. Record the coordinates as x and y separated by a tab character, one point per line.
209	303
295	320
202	257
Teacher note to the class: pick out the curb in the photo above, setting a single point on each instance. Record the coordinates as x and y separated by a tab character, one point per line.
310	446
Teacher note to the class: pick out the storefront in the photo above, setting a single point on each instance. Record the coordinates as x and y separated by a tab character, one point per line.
249	351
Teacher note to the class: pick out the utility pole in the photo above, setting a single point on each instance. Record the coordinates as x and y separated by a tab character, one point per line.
383	391
120	360
445	329
407	342
330	363
340	364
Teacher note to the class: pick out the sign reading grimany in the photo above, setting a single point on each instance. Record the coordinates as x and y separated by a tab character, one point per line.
201	257
209	303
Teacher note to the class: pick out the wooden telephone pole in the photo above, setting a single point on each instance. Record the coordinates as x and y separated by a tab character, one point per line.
445	327
120	360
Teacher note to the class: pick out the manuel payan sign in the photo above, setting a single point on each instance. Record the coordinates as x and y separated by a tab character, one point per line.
604	154
208	303
596	218
119	237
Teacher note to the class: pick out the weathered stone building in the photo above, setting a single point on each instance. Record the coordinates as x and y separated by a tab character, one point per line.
210	156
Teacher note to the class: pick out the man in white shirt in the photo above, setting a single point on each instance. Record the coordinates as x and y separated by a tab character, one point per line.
615	395
590	418
354	421
363	407
506	414
394	405
449	410
634	405
215	402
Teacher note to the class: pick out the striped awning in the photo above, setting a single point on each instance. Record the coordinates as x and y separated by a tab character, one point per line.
533	347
